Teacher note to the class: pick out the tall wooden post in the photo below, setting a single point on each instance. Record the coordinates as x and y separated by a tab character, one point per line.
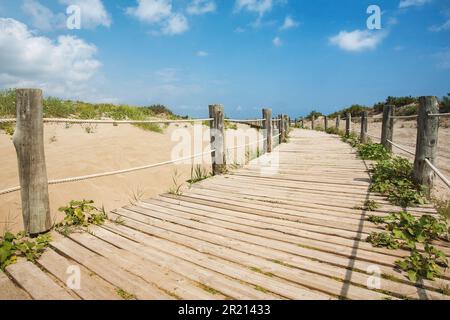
364	127
313	118
267	127
387	129
348	124
338	122
326	123
28	140
217	133
427	141
302	123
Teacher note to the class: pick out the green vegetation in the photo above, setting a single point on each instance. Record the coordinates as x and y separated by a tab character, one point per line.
445	104
369	205
314	114
125	295
17	245
442	207
229	125
177	186
59	108
406	231
80	214
351	138
355	110
393	178
199	173
373	151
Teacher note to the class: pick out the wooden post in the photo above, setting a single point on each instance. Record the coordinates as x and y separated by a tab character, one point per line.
303	123
387	129
348	124
326	123
28	140
280	128
313	118
286	127
267	126
338	122
364	127
217	133
427	141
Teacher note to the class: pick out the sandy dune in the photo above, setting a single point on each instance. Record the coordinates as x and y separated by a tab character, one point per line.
71	151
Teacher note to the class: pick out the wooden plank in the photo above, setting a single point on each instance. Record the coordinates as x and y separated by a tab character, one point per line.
10	291
108	271
92	287
162	276
283	288
38	284
337	260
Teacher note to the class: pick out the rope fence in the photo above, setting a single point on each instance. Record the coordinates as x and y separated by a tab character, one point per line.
111	173
438	173
87	121
439	115
403	148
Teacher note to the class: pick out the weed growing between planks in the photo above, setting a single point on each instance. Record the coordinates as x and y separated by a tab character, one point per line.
80	214
405	231
17	245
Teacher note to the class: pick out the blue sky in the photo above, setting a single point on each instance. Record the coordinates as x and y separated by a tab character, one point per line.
291	55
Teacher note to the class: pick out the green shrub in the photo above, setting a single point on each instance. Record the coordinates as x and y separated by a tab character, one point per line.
351	139
406	231
57	108
8	128
393	178
373	151
7	103
80	214
13	246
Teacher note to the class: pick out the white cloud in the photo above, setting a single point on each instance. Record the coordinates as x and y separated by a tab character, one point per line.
289	23
239	30
42	17
412	3
445	26
160	12
151	11
358	40
93	13
176	24
63	67
199	7
258	6
277	42
202	54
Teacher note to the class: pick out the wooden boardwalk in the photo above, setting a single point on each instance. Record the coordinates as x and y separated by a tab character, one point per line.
255	233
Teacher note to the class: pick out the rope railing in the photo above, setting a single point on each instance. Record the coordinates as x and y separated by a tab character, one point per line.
111	173
403	148
244	121
89	121
247	145
439	115
438	173
405	117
